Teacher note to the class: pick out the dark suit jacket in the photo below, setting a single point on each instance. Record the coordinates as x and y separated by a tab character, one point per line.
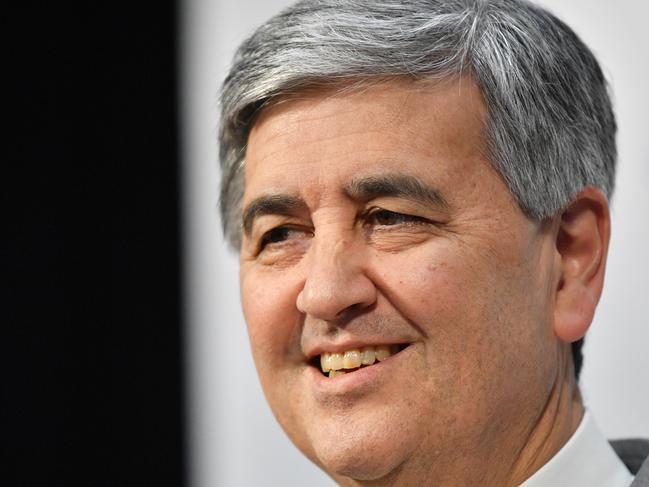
635	455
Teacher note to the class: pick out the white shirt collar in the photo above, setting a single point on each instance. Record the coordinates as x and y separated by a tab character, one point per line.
586	460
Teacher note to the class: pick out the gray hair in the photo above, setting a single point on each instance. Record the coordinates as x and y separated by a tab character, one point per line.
550	128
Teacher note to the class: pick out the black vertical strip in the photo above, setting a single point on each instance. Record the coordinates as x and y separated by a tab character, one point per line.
91	344
49	411
147	340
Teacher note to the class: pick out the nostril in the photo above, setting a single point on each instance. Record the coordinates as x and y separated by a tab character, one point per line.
333	291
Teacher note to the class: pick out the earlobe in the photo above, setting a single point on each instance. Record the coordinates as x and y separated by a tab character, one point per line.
582	244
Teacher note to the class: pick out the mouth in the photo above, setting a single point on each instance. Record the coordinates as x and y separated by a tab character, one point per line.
334	364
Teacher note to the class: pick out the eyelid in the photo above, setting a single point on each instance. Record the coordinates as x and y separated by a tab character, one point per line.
261	245
377	209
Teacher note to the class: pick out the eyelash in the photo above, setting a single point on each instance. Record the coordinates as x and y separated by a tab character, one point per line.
267	237
405	219
367	217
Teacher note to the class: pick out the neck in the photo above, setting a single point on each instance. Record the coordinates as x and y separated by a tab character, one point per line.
558	422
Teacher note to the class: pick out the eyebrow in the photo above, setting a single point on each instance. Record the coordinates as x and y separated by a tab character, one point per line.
277	204
397	185
360	189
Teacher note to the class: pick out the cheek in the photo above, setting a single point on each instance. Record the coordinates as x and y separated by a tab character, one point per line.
454	288
479	316
269	309
447	304
430	289
268	302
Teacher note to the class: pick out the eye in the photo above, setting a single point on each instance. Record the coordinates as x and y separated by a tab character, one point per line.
279	235
383	217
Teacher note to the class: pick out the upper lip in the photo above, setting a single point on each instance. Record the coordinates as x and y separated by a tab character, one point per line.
350	344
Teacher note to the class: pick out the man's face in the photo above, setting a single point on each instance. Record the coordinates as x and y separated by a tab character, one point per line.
374	218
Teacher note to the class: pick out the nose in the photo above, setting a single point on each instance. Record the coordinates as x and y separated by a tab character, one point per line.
336	281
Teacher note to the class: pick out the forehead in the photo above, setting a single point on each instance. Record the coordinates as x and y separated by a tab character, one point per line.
329	135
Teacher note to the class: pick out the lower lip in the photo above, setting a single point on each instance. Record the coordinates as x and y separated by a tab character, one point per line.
365	377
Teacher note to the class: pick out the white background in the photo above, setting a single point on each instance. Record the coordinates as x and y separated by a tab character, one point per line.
234	440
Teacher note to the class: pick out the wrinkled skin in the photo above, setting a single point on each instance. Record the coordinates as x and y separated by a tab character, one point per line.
484	394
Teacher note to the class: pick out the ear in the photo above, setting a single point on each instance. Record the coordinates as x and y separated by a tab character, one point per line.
582	244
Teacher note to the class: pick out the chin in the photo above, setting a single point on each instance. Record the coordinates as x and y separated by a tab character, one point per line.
360	454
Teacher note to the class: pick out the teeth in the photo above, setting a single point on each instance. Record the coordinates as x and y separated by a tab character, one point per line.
382	352
325	362
336	361
336	373
354	358
368	356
